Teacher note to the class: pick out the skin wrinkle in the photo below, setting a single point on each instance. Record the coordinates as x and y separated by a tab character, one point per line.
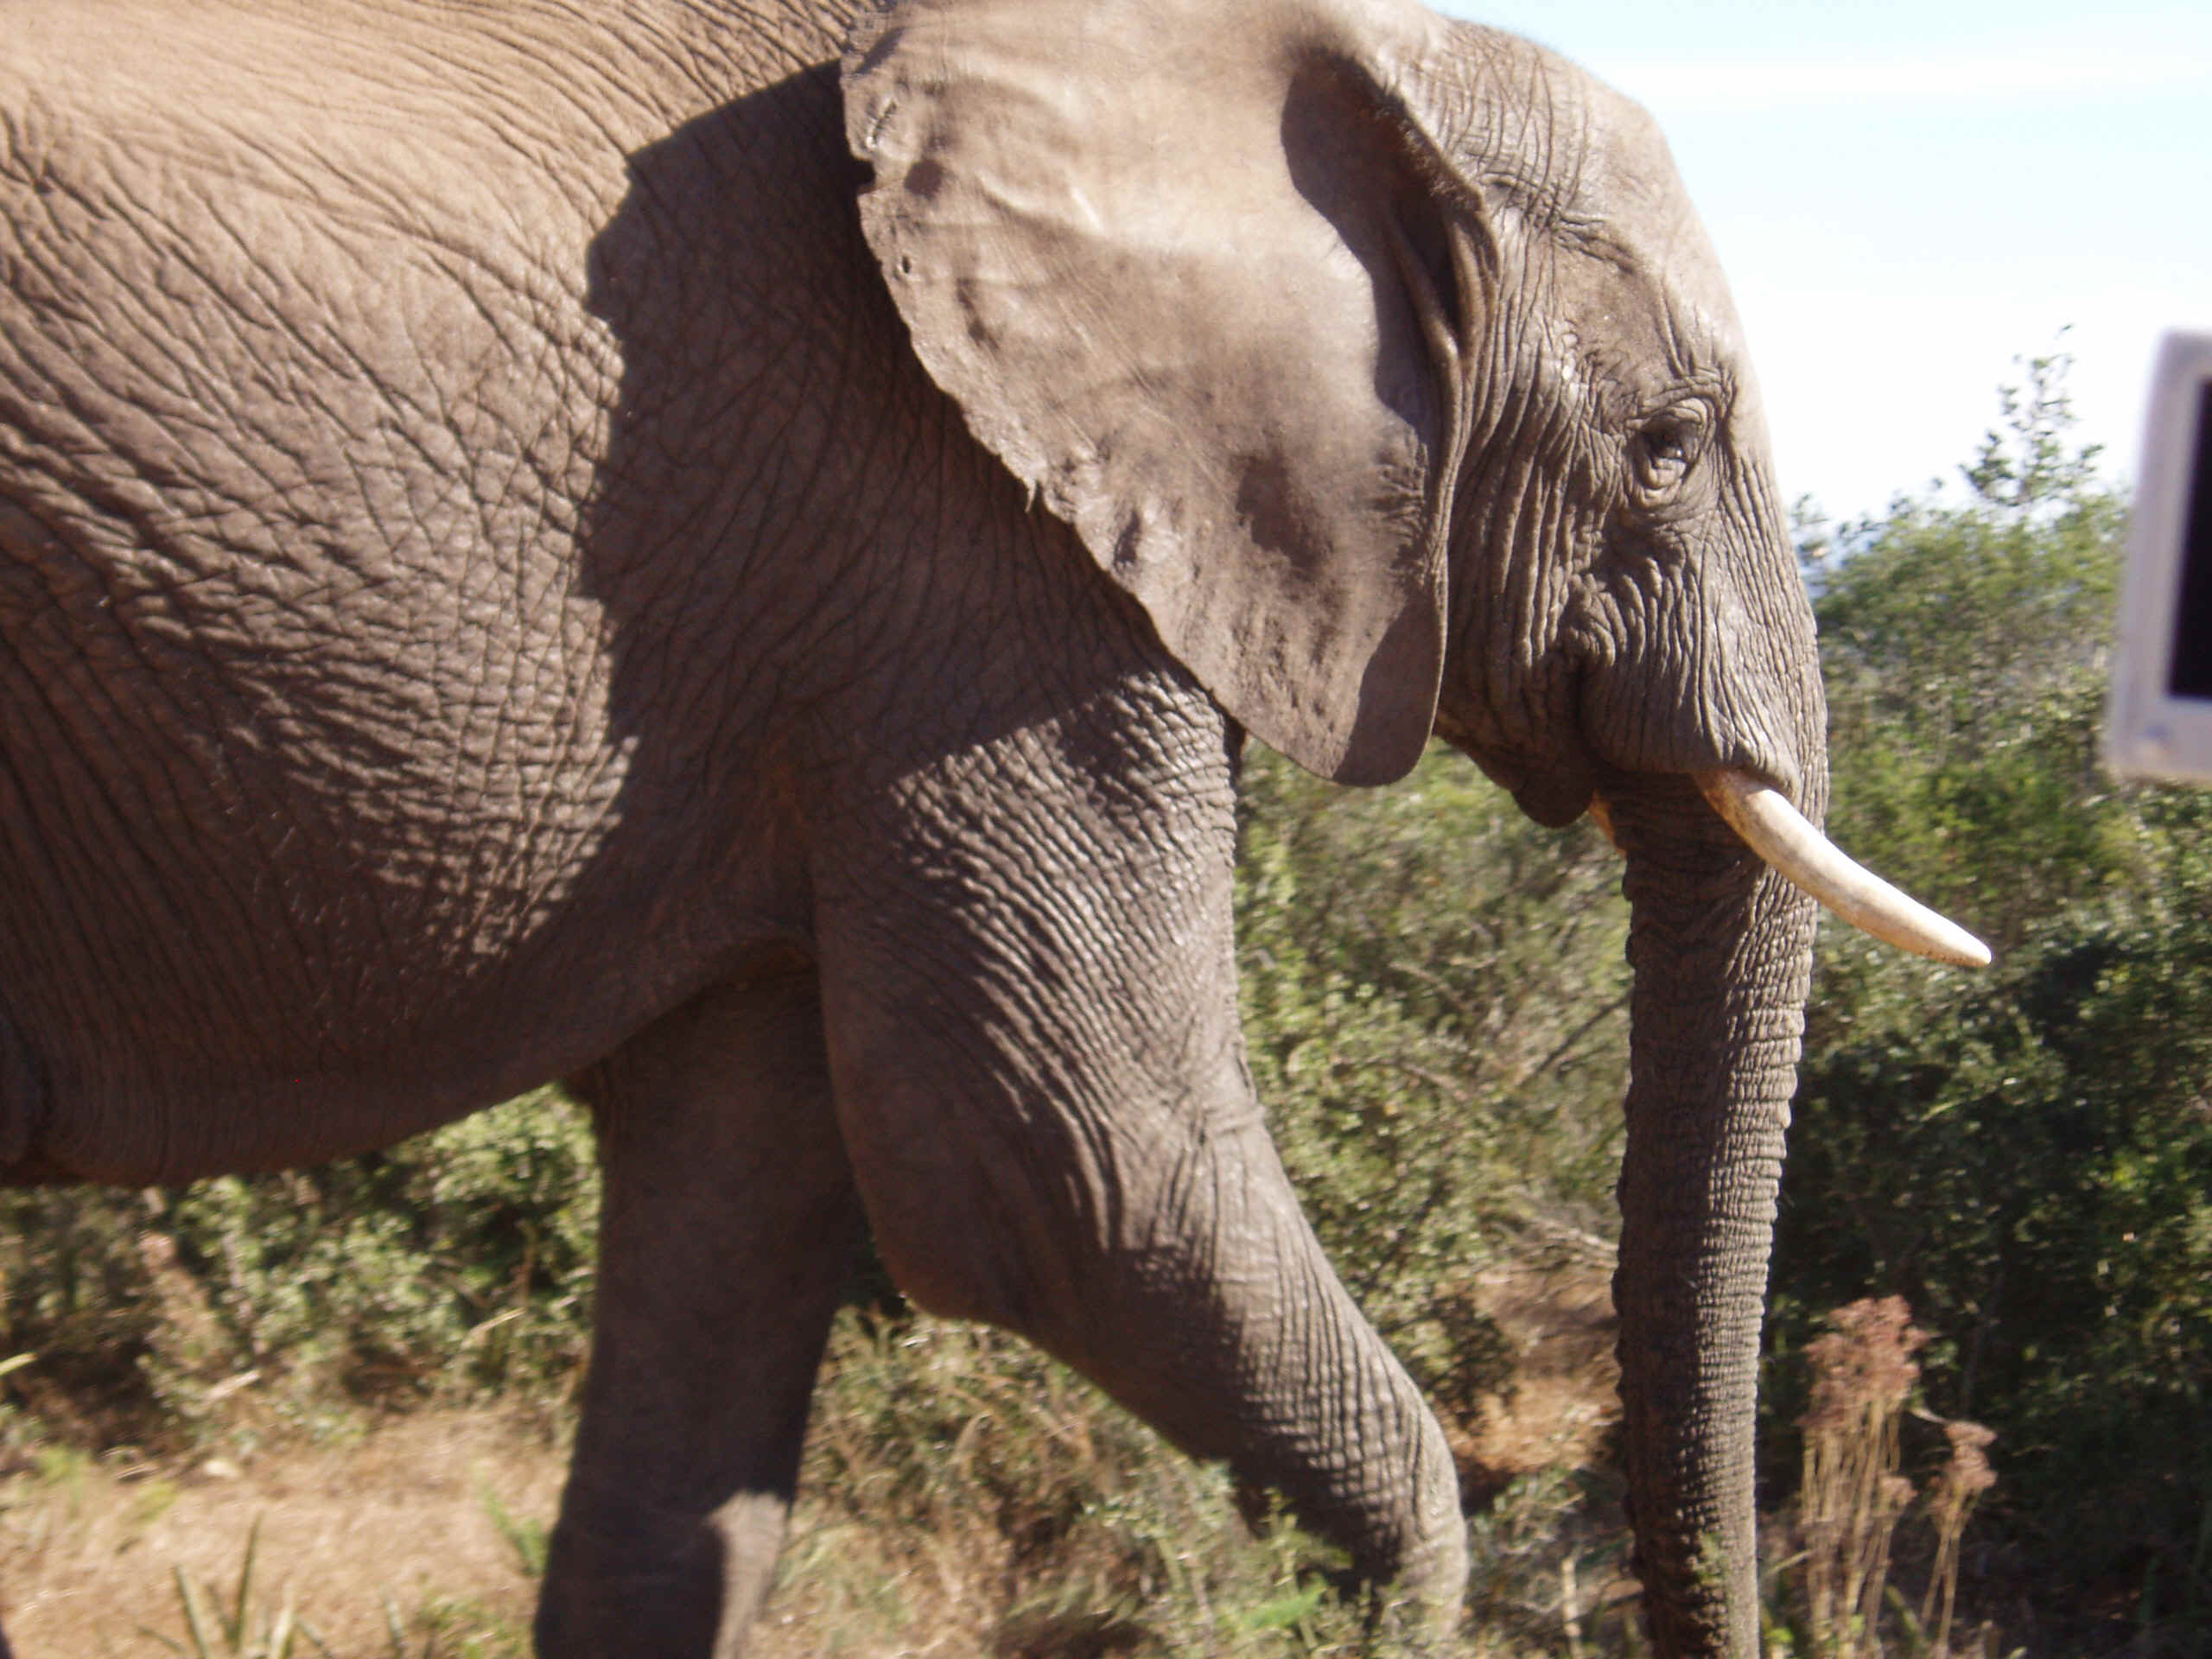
125	868
266	481
150	888
1523	444
774	481
1526	572
246	321
1524	563
52	853
150	367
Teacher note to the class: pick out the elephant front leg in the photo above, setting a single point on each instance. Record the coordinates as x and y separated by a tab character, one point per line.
1030	999
1229	1330
1196	1295
727	1235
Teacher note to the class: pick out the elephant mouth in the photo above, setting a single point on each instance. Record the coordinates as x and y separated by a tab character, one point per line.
1786	841
1553	791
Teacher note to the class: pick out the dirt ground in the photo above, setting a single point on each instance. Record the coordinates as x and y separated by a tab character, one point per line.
1562	1402
88	1553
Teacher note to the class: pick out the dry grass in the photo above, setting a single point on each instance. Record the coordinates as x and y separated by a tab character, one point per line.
1560	1402
1853	1496
965	1499
88	1550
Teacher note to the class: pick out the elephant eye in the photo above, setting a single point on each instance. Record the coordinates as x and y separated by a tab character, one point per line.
1664	449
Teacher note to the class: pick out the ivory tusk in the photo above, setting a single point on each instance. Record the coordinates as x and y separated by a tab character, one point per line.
1778	833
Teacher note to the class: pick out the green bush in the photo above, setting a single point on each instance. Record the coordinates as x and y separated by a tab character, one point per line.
960	1485
453	1266
1435	996
2025	1154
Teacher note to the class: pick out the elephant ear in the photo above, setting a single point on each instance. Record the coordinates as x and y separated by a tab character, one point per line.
1192	269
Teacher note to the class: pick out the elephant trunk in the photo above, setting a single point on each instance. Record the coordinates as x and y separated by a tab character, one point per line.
1721	951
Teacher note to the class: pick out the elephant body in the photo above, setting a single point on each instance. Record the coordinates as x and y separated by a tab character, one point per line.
398	635
539	666
507	575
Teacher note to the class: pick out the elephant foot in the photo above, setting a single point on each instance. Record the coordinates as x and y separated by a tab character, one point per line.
637	1590
1418	1594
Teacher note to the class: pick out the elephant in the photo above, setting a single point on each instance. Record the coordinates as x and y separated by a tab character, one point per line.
726	551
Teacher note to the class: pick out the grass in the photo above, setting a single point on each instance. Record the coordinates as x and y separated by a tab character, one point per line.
964	1496
123	1556
1852	1496
245	1630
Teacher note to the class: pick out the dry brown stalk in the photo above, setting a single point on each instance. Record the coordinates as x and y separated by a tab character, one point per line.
1966	1475
1863	1371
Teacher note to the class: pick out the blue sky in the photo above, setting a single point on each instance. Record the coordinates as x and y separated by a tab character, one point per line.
1907	196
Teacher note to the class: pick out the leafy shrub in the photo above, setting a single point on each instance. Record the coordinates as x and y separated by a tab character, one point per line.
959	1482
2024	1154
456	1265
1435	996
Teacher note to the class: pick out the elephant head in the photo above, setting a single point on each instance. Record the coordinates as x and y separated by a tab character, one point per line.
1383	361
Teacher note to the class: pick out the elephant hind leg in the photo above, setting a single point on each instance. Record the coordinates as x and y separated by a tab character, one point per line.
727	1236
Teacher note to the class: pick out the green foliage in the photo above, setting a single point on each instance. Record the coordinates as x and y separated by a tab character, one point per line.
962	1488
956	1462
1435	997
1964	648
2024	1154
530	1538
243	1630
456	1265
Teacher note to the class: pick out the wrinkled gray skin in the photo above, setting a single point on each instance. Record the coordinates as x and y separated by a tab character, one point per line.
507	575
